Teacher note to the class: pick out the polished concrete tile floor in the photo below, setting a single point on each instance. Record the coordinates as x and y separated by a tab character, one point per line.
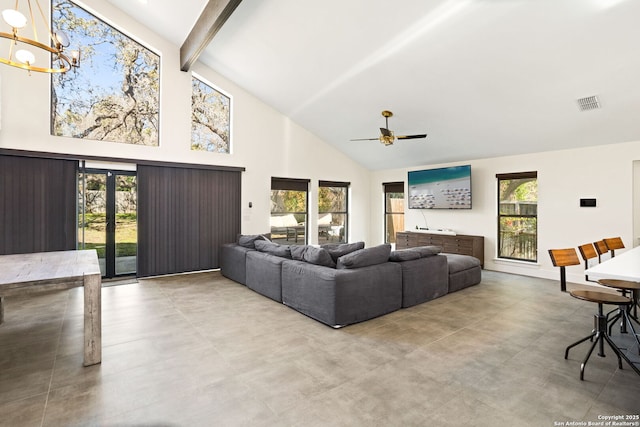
201	350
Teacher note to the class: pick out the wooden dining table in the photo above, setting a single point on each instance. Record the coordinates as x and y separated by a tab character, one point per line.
26	274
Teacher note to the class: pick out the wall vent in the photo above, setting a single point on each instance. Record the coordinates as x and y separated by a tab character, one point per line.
588	103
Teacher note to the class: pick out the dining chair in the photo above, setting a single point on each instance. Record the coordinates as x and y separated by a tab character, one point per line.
563	258
599	335
625	315
587	251
601	248
614	243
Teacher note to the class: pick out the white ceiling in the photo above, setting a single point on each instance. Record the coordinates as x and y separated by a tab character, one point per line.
483	78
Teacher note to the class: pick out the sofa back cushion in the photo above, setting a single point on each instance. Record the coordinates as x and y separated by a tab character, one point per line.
336	250
248	240
365	257
427	250
312	255
404	255
273	248
410	254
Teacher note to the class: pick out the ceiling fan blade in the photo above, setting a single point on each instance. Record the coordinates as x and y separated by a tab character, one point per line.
385	132
412	136
387	136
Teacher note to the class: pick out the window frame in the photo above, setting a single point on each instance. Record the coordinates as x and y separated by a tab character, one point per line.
292	184
389	188
500	216
229	118
336	184
154	120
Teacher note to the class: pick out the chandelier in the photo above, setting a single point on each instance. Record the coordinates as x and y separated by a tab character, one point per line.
21	49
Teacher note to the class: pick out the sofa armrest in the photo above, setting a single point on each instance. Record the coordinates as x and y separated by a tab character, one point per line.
264	274
233	262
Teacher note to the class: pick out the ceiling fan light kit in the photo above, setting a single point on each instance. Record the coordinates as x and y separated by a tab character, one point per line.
387	137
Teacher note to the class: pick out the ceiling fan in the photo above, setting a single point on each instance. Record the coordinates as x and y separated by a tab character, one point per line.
386	136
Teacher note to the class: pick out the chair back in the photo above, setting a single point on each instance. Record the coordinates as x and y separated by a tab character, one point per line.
614	243
587	251
563	258
601	248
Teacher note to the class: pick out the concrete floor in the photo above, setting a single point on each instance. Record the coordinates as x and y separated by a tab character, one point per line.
200	350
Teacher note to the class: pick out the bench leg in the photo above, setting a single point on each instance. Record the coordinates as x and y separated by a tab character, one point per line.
1	310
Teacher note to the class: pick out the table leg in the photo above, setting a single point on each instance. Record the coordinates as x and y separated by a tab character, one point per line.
92	319
1	310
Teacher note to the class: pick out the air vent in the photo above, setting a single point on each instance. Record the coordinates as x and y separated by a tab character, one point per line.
588	103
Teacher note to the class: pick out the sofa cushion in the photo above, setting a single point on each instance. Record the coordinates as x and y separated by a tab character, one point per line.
297	252
341	297
265	246
248	240
264	274
336	250
365	257
312	255
424	279
464	271
458	263
425	251
404	255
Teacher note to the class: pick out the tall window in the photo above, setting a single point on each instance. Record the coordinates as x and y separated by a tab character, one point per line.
333	211
210	118
289	204
393	210
518	216
115	93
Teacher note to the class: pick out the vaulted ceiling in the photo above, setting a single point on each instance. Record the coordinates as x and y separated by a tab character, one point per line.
483	78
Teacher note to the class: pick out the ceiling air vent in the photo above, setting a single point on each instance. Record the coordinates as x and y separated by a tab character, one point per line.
588	103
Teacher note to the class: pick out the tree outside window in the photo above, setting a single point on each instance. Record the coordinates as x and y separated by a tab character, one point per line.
115	93
518	216
210	118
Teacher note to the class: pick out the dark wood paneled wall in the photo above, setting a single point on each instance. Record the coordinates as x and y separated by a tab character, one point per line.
184	215
37	204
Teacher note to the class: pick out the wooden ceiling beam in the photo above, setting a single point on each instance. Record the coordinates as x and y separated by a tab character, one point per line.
211	20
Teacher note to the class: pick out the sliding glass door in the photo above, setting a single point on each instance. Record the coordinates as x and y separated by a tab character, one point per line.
107	219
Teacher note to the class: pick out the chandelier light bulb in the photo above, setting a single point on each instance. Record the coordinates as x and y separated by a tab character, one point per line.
14	18
75	58
61	38
25	57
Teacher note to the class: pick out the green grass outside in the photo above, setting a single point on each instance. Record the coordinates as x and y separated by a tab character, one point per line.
95	232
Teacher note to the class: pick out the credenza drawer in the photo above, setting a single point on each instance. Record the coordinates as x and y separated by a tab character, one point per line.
458	244
405	240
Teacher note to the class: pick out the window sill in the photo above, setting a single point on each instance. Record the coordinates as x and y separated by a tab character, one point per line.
516	262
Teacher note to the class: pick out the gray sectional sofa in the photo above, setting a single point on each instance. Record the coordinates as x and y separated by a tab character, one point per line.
341	284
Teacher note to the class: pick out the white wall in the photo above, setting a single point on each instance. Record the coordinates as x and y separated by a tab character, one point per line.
603	172
265	142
